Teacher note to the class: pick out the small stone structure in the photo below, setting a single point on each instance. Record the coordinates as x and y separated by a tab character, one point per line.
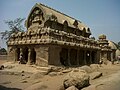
54	38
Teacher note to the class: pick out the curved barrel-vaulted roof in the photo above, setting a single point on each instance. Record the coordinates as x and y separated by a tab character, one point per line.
47	11
117	53
112	45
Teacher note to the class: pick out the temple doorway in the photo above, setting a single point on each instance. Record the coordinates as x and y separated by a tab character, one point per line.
64	56
73	57
81	57
33	56
25	55
88	57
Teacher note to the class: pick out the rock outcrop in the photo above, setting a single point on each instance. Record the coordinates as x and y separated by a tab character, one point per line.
95	75
86	68
72	88
78	79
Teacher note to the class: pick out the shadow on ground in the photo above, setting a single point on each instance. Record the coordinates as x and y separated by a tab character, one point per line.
8	88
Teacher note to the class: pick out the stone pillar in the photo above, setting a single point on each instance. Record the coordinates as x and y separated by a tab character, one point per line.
98	56
21	54
112	56
69	57
21	51
29	56
16	55
85	57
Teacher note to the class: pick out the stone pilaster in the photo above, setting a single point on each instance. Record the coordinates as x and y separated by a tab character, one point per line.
98	56
21	51
29	56
16	56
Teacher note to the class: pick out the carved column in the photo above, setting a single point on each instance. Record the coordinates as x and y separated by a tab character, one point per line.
21	51
98	56
21	54
29	56
16	55
112	56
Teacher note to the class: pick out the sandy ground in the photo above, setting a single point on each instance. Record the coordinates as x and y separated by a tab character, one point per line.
22	78
109	81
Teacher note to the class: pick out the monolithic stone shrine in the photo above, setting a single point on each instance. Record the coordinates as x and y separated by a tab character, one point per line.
54	38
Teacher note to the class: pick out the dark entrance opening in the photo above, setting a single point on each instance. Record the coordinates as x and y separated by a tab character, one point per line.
73	57
18	54
93	56
25	55
88	57
81	57
33	56
64	56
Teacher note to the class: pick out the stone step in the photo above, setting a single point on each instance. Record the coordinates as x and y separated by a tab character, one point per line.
43	69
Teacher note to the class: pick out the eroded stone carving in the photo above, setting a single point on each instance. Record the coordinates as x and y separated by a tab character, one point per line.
51	33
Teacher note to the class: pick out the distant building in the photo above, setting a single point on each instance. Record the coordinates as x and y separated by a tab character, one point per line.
108	49
54	38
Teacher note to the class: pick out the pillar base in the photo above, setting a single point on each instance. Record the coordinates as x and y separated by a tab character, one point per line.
29	63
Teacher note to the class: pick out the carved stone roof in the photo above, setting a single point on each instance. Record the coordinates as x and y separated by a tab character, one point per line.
112	45
61	17
117	53
102	36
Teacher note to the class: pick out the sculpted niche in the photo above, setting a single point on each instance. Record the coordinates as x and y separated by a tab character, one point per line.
35	18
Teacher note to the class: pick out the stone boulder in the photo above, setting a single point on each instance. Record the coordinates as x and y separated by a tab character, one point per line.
95	75
78	79
56	69
71	88
52	74
94	67
86	68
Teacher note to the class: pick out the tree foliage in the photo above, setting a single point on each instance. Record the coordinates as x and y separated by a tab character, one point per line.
3	51
14	27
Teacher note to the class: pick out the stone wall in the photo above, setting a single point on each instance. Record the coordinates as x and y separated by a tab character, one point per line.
54	55
42	55
11	54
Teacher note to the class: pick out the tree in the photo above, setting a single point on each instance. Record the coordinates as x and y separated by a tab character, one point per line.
14	27
3	51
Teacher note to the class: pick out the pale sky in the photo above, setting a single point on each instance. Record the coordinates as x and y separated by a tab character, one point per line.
102	16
